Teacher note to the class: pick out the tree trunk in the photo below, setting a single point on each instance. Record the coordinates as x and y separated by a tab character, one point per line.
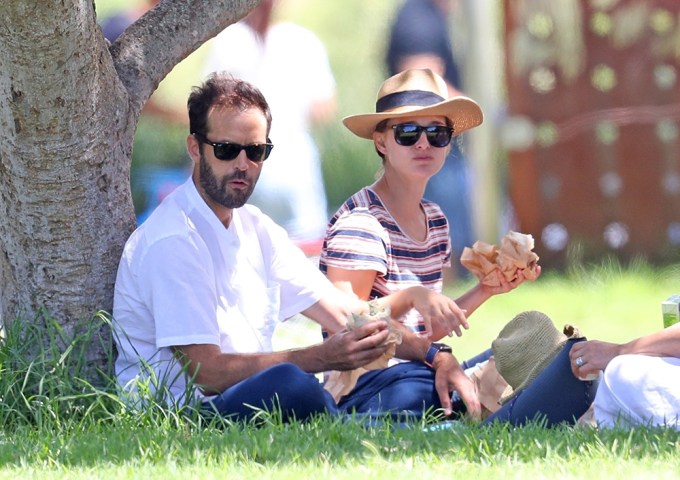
69	105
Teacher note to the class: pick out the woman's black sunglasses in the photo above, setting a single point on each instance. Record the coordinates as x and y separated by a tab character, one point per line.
256	152
407	134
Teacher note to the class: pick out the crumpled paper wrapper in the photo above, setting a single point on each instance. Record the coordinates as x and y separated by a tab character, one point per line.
515	253
338	383
489	385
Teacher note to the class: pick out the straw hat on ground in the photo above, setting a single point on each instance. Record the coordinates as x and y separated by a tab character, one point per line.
525	347
416	92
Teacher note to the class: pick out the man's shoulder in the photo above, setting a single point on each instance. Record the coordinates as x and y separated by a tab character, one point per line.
172	218
153	232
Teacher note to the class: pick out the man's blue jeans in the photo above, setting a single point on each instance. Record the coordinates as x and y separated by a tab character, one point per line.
406	389
285	387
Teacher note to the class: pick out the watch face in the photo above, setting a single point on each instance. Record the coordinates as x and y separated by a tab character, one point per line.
442	347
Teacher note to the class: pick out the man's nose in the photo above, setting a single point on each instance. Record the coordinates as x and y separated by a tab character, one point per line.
242	160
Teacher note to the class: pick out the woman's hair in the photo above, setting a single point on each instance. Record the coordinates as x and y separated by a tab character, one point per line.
222	89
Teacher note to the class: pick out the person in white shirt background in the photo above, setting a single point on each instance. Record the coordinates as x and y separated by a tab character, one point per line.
290	65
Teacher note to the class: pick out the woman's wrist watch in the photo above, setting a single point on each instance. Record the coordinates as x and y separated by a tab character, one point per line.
434	349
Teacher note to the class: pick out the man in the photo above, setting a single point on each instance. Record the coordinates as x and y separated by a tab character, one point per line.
203	282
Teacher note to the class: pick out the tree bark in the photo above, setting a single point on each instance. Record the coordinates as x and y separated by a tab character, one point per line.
69	106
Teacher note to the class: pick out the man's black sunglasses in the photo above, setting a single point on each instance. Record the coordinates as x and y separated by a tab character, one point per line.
407	134
256	152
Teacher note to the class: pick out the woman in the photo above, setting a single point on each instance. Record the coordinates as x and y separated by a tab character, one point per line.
386	237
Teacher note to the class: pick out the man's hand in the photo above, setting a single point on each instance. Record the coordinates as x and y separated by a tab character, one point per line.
449	376
350	349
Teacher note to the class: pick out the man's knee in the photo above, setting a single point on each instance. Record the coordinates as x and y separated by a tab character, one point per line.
299	393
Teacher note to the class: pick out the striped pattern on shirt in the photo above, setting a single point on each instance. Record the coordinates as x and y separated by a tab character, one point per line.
362	235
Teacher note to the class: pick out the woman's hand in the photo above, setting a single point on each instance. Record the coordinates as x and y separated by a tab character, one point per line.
591	356
442	316
506	285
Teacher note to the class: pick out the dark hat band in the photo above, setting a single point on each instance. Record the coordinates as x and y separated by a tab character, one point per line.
416	98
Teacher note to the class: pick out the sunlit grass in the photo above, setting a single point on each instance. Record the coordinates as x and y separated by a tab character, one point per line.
330	448
54	424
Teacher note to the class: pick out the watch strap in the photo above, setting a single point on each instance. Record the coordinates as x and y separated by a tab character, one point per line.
432	352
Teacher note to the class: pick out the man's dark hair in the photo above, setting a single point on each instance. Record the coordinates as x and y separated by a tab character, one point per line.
222	89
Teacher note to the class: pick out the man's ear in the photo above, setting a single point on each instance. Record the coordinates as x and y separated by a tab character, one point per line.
193	148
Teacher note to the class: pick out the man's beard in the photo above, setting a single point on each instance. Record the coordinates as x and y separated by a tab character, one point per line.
217	189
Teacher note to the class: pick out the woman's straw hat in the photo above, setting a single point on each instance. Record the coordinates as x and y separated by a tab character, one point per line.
526	346
416	92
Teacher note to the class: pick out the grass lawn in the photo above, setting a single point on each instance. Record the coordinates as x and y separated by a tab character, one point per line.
53	427
332	450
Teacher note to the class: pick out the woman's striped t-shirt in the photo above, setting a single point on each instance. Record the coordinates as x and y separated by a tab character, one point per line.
362	235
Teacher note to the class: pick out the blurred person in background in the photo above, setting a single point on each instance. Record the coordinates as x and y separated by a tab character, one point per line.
114	25
420	38
290	66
